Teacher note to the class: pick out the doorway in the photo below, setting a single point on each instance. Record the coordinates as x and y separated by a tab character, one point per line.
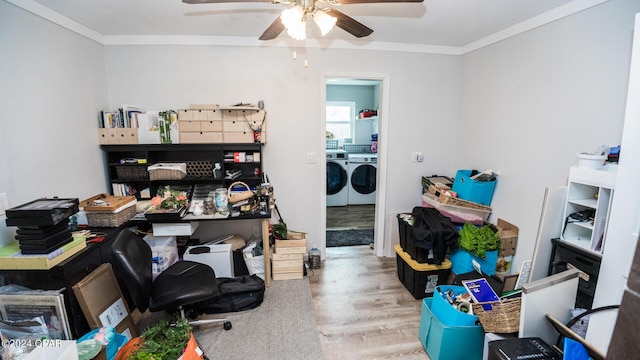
353	125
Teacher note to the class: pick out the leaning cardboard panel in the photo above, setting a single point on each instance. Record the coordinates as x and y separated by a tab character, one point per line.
102	301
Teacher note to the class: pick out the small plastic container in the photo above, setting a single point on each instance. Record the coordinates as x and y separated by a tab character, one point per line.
314	259
591	161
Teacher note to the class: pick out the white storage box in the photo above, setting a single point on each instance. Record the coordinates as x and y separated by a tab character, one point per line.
164	252
219	257
175	229
53	350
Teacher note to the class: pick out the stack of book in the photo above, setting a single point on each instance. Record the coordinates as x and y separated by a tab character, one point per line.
42	224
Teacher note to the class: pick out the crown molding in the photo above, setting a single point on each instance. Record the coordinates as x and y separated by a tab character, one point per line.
550	16
529	24
46	13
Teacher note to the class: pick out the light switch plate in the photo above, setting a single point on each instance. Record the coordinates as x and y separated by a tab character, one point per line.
312	158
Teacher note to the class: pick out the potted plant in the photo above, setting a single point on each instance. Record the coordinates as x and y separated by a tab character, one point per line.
161	341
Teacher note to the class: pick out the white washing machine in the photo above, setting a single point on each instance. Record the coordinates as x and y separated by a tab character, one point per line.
362	178
337	178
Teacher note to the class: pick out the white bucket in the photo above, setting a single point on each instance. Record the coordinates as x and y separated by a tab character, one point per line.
591	161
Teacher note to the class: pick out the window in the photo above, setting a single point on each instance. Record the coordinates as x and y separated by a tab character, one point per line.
340	119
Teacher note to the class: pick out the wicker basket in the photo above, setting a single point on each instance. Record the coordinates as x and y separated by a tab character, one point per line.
235	197
504	316
167	171
132	172
110	219
450	200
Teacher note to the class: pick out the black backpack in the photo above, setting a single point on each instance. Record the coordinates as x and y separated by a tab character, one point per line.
434	231
236	294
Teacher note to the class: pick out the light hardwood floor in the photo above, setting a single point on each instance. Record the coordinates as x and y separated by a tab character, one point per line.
362	310
350	217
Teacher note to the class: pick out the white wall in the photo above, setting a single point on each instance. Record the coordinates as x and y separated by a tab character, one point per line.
423	103
624	223
52	83
529	103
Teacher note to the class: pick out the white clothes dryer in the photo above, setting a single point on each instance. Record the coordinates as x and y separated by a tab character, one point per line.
337	178
362	178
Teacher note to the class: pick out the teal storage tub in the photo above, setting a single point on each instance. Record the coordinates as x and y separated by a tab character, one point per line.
446	313
443	342
461	262
479	192
112	347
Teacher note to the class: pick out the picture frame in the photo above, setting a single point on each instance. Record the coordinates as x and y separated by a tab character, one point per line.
26	305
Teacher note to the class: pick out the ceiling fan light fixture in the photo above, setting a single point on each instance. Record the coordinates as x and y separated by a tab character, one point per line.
324	21
298	31
293	21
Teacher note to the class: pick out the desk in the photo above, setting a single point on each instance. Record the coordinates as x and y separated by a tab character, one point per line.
69	272
265	234
65	275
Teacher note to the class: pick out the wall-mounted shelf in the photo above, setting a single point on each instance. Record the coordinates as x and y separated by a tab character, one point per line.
589	191
200	160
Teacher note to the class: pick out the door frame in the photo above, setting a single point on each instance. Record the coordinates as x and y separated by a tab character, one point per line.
383	129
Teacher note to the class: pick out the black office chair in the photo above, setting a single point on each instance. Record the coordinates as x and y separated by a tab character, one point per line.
183	283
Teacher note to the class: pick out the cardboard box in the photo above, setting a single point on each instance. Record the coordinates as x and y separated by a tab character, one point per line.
102	301
508	238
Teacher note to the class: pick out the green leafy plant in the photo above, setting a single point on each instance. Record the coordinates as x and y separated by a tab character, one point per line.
478	240
279	230
163	341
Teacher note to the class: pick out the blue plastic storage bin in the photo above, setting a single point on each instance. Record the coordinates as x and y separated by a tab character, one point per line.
479	192
112	347
446	313
443	342
461	262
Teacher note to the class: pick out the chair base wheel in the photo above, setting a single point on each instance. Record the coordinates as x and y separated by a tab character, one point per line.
227	325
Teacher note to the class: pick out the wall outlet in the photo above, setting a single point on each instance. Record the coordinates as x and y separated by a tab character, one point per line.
4	204
417	156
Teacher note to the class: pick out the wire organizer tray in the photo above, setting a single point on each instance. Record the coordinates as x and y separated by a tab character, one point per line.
132	172
450	200
504	316
167	171
107	219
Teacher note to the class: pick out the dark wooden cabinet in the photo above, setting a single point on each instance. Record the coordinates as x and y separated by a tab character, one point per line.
564	255
200	160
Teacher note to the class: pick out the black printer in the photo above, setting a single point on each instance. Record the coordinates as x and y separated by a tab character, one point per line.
522	349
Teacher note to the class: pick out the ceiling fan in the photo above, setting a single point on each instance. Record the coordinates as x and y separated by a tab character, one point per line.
294	19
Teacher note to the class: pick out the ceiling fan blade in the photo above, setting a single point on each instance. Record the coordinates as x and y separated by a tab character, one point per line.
349	24
346	2
220	1
273	30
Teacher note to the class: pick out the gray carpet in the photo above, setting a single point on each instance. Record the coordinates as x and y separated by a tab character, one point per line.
349	237
283	327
